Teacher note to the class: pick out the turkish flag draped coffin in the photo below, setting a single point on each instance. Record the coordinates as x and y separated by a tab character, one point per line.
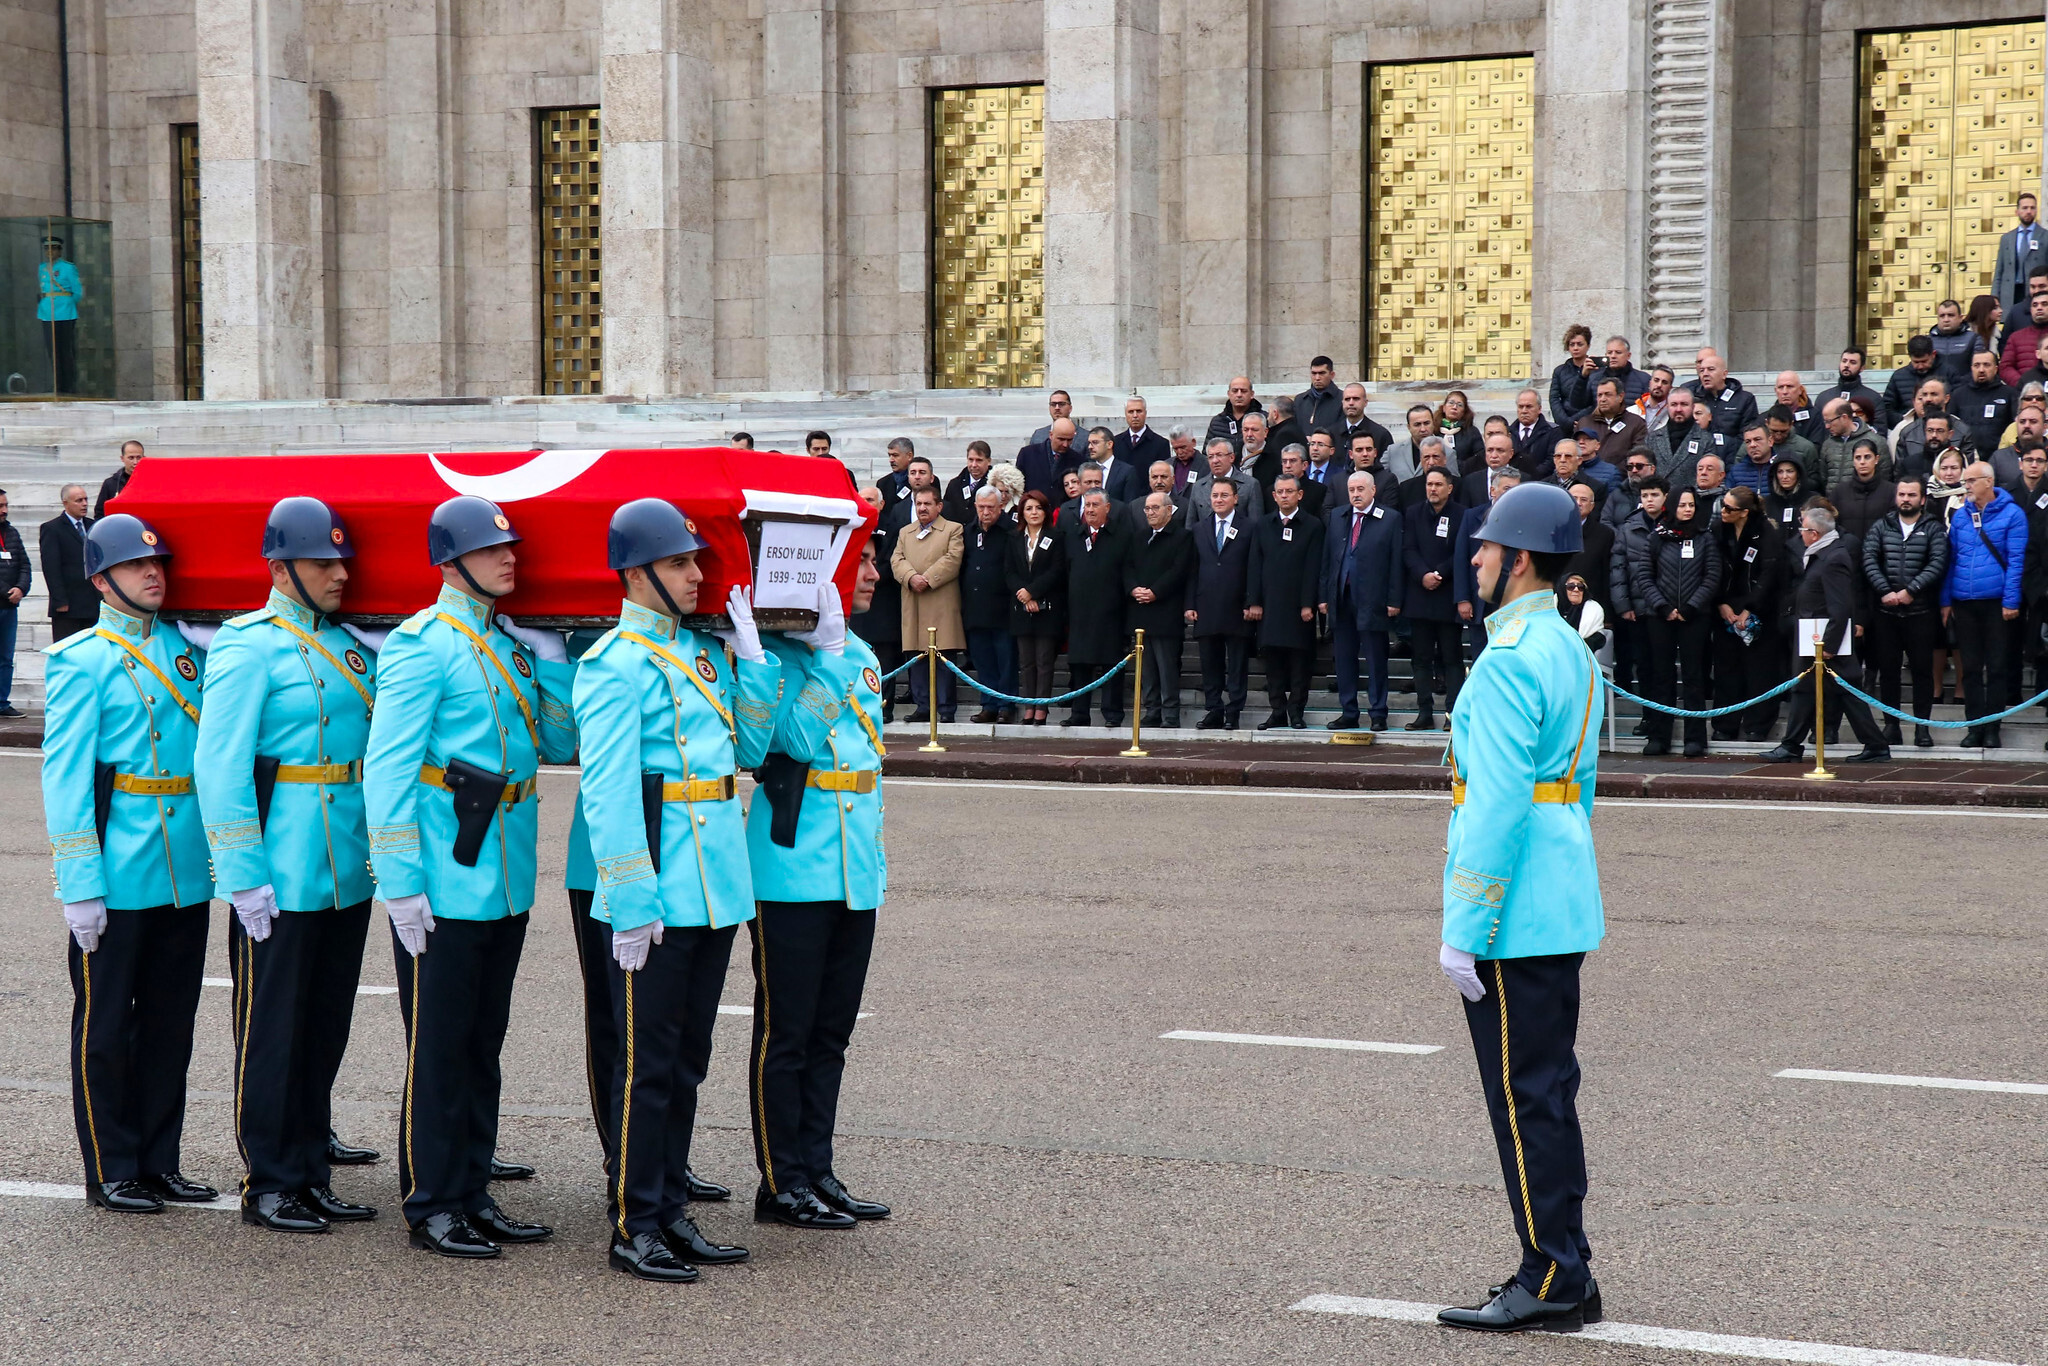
211	511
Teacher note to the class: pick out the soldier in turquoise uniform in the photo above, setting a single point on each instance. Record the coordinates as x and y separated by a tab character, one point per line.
468	708
815	835
121	725
1522	898
671	716
280	775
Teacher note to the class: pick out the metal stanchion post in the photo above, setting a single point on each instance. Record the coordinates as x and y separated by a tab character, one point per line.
1137	696
1820	731
931	690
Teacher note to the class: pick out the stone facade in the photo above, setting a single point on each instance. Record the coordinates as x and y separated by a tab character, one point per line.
371	218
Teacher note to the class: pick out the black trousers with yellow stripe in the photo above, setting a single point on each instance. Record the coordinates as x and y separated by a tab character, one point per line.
133	1003
1523	1032
810	966
662	1016
456	998
600	1030
294	999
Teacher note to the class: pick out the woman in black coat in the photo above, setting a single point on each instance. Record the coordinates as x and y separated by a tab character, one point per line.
1429	539
1748	656
1036	575
1674	574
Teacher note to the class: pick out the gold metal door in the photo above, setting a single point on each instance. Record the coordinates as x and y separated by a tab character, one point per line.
571	259
1951	133
1449	219
185	242
988	237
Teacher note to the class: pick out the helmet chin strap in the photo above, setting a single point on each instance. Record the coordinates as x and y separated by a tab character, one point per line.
654	577
137	608
470	579
1500	580
291	567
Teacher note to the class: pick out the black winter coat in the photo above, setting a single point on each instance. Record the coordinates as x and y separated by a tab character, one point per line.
1662	575
882	623
1892	561
1285	574
1219	589
1595	560
1429	539
1753	569
1095	590
1859	506
1161	562
1045	575
984	586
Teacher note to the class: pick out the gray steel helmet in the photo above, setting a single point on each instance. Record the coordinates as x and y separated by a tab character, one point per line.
466	523
649	529
305	529
119	538
1538	517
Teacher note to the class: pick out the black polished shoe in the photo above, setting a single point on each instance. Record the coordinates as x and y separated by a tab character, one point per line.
1075	718
920	718
704	1192
1589	1308
281	1212
834	1193
1640	729
646	1256
1422	722
1781	754
452	1235
1656	749
689	1244
1695	749
1891	731
799	1208
1973	738
341	1154
1273	720
124	1197
180	1189
510	1171
984	717
1347	722
1210	721
1379	723
493	1223
1871	754
1515	1310
323	1201
1922	739
1152	719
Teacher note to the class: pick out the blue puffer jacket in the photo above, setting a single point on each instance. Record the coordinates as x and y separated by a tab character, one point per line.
1973	571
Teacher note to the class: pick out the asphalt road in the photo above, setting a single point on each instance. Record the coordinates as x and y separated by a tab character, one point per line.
1073	1188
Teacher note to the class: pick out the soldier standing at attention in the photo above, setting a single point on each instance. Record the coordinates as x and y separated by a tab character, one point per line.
468	708
119	733
1522	898
671	719
814	833
281	786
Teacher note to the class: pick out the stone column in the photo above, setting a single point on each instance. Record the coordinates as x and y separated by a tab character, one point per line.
423	234
800	156
1102	193
256	199
1589	242
1222	293
656	130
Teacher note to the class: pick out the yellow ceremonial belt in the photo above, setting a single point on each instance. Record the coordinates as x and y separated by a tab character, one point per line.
351	772
860	712
369	701
513	794
144	786
701	790
830	780
150	665
532	729
695	677
1563	792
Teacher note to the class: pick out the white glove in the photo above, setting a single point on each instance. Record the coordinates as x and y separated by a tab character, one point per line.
257	907
88	921
829	634
1458	966
198	634
630	946
744	637
372	636
413	919
547	644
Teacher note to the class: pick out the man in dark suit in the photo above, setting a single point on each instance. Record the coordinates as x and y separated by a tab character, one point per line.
1534	435
131	456
1282	430
1155	579
1828	586
961	488
1138	445
1218	605
1325	469
1121	480
1429	538
1356	422
1097	544
1500	452
1091	479
1596	548
1473	609
74	603
895	485
2020	250
1042	463
1365	455
1432	453
1314	494
1286	576
1360	593
985	605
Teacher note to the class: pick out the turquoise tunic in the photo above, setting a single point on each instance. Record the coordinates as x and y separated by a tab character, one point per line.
643	710
270	692
106	705
838	854
442	696
1521	879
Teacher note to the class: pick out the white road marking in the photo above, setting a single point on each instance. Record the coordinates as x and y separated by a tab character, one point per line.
1291	1041
360	991
749	1011
44	1190
1673	1339
2018	1088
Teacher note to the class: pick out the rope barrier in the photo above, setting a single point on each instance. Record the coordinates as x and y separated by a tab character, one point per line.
1898	715
903	668
988	692
1787	686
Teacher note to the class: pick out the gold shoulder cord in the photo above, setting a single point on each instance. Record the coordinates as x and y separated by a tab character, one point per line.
532	729
369	701
693	676
146	662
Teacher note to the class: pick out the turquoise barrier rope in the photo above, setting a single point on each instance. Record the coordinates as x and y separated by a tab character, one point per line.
987	691
1787	686
1896	714
904	667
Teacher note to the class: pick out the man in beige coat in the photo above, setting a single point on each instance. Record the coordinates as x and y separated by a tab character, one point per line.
926	562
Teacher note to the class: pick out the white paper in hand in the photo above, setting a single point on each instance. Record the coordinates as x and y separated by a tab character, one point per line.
794	557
